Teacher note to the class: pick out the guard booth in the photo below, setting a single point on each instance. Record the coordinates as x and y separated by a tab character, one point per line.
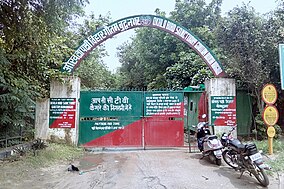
195	105
131	119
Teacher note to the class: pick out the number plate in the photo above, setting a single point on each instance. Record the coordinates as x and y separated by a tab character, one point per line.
255	157
217	152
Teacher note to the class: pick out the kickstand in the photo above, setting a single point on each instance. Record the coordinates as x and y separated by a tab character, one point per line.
202	156
241	174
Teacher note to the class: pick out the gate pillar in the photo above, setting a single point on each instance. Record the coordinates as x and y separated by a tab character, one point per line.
221	94
60	112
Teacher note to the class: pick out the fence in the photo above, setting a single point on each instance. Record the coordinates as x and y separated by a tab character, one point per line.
13	137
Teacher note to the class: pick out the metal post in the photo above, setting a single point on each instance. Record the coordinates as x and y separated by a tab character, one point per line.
6	138
270	145
143	132
21	134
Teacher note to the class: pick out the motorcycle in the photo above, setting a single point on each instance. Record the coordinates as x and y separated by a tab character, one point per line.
244	157
208	144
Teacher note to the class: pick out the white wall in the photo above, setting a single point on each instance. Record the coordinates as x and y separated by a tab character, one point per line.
42	118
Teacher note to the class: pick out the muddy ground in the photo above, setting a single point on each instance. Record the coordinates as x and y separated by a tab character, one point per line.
153	169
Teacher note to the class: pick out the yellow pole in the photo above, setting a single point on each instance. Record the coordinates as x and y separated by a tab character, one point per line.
270	145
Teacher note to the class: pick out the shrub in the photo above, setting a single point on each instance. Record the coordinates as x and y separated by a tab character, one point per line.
261	128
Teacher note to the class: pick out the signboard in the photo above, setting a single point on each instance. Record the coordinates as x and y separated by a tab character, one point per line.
103	104
163	104
108	111
269	94
108	31
270	115
62	112
271	132
281	62
110	118
223	110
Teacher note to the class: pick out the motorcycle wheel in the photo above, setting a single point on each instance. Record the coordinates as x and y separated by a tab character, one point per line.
230	157
261	176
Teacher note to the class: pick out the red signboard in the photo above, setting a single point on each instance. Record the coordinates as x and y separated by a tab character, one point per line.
62	113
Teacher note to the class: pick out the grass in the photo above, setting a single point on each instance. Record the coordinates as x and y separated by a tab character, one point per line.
276	160
20	170
54	153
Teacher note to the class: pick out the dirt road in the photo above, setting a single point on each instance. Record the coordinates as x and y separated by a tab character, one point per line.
150	169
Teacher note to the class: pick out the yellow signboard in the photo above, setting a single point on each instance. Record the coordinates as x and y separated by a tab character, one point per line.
271	132
270	115
269	94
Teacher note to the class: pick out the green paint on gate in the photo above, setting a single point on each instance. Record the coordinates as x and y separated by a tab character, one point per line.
110	104
104	112
152	21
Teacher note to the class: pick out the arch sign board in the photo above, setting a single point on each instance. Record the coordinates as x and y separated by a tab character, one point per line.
153	21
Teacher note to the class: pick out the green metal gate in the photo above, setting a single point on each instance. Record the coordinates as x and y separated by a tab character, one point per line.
110	118
131	119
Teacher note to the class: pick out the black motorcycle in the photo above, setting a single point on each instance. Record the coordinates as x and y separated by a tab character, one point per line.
244	157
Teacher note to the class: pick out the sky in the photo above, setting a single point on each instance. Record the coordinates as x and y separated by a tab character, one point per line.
123	8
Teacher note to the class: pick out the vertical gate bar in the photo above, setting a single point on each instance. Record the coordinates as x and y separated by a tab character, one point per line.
188	137
143	119
187	112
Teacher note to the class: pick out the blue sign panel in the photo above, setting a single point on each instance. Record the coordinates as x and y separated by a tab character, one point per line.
281	62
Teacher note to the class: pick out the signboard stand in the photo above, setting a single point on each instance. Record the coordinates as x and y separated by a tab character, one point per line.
270	113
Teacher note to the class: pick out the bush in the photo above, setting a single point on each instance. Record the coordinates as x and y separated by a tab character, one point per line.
261	128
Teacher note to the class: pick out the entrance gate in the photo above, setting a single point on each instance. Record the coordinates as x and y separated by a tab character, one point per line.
131	119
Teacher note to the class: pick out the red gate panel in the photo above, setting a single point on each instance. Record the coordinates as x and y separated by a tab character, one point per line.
163	122
131	119
163	132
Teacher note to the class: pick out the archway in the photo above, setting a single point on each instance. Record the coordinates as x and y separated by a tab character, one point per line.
153	21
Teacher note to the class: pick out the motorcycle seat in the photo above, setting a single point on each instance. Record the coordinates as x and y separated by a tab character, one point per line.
237	144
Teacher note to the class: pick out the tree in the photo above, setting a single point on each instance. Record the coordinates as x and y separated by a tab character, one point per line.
249	49
92	71
163	61
34	41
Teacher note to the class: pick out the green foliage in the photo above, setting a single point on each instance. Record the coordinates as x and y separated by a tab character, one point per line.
94	74
155	59
249	46
34	42
92	71
16	97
